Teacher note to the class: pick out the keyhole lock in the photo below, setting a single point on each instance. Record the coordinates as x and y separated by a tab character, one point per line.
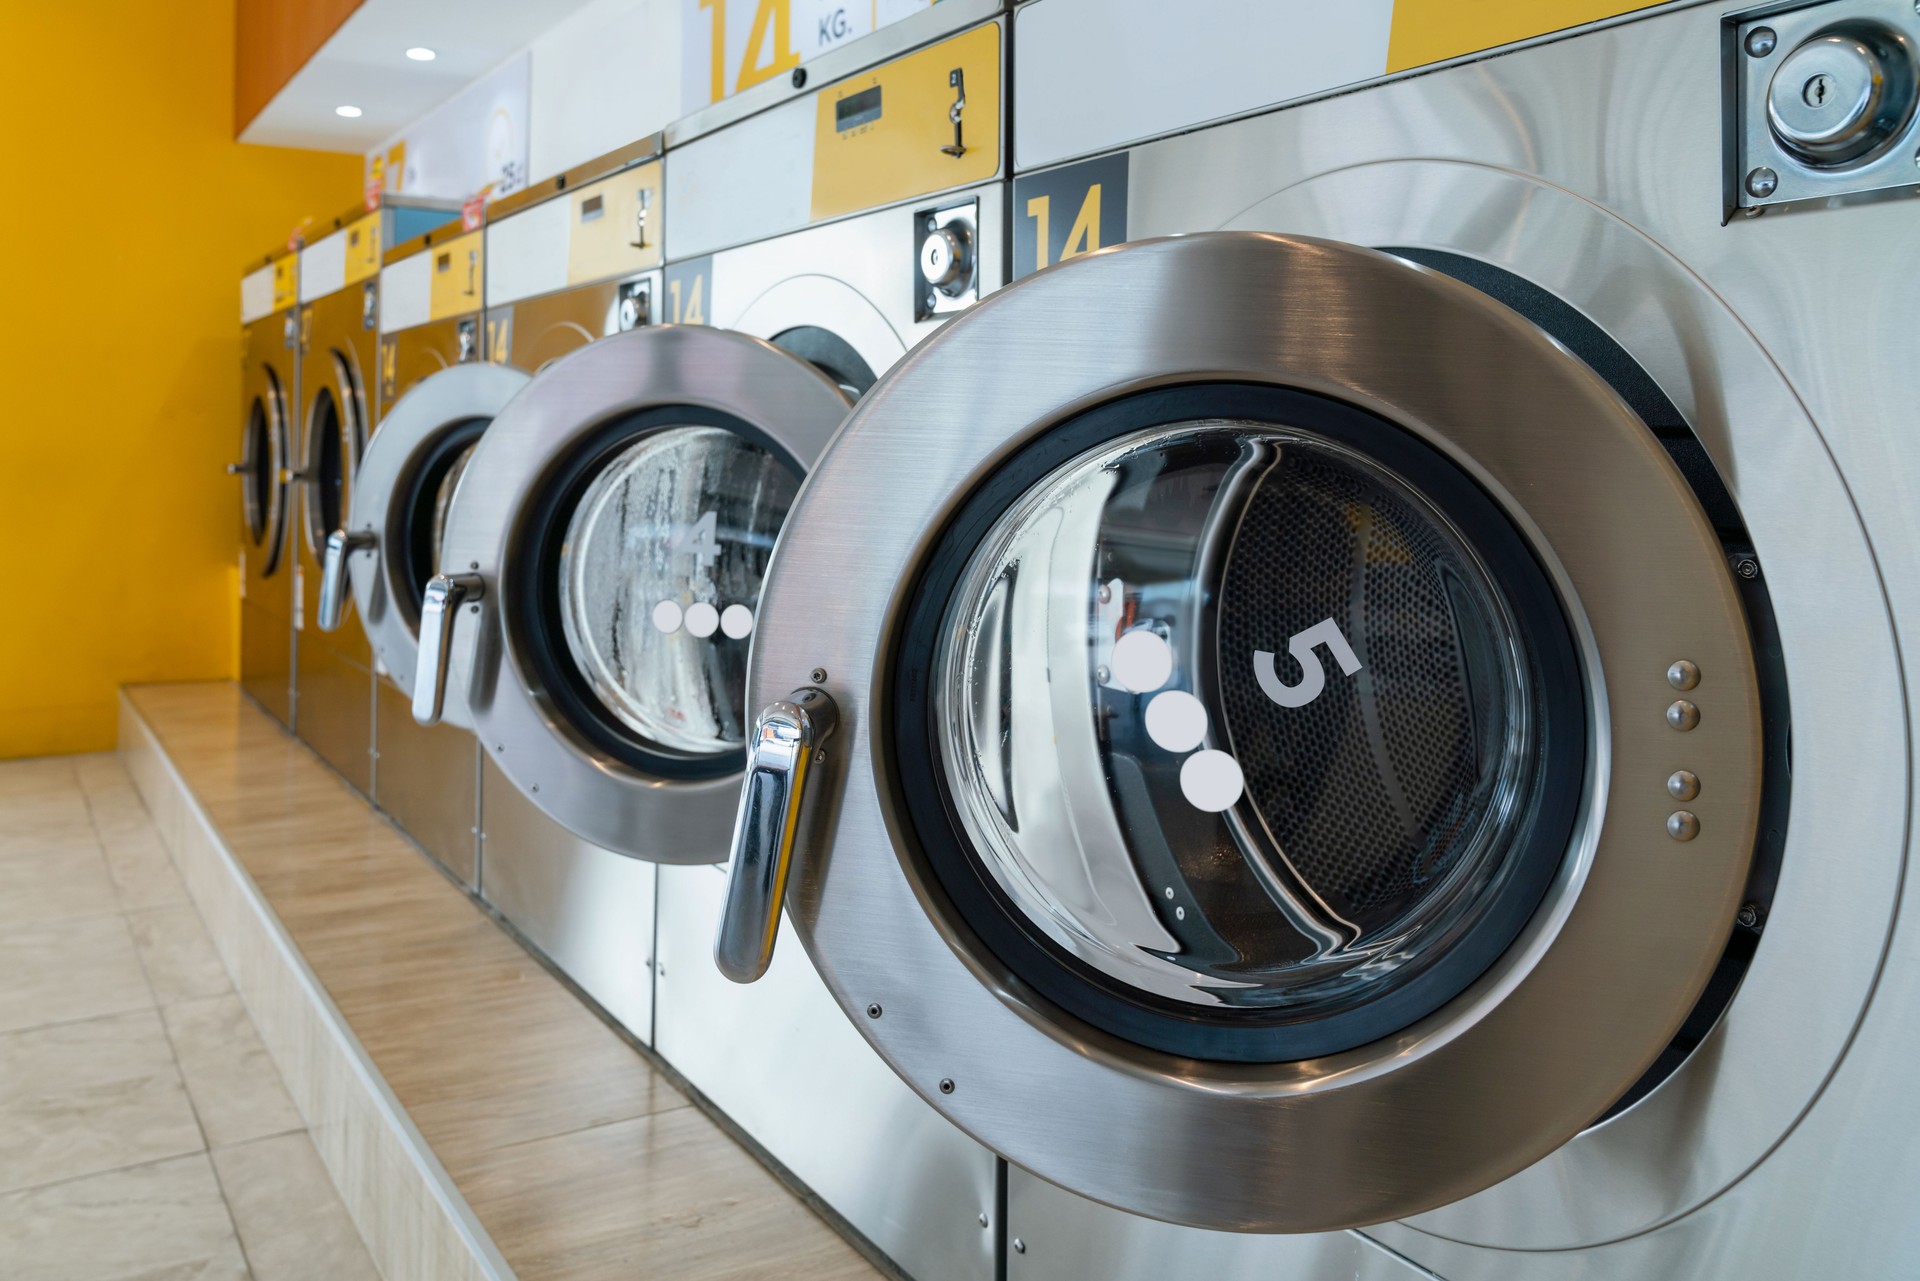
1818	91
1842	96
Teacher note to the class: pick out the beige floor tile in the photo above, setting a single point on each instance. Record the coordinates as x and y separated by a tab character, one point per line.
80	1098
55	883
142	871
290	1219
36	776
164	1220
180	960
234	1086
59	971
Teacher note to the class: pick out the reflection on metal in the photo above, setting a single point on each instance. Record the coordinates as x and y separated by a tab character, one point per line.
788	740
439	607
341	544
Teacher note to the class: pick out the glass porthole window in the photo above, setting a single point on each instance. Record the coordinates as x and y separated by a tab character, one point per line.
1258	737
658	583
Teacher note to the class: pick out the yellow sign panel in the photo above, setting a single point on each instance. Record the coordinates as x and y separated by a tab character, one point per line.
1426	31
286	282
615	226
922	123
363	248
455	266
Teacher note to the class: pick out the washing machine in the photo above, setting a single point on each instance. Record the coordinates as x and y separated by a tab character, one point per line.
615	522
1362	732
436	396
338	347
569	261
269	335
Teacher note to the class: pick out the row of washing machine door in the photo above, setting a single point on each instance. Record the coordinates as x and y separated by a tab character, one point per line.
1275	729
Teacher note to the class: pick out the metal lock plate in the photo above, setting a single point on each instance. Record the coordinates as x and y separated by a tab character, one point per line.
946	270
1824	102
635	307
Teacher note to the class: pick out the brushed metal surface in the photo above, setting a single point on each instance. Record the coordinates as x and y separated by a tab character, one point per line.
853	278
1068	1238
780	1060
543	329
428	781
266	615
336	700
605	802
411	426
1758	333
1612	961
588	909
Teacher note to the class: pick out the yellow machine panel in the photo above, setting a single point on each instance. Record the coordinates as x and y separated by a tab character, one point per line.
286	282
1427	31
363	249
456	279
921	123
616	225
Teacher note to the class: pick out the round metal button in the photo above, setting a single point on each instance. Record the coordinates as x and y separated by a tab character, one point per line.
1838	96
1683	785
1683	825
946	259
1683	715
1683	675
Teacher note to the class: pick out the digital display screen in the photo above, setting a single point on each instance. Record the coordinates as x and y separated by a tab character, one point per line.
592	207
858	109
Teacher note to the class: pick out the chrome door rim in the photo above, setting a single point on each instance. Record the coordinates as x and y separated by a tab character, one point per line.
1773	1051
1399	1126
271	390
679	820
456	394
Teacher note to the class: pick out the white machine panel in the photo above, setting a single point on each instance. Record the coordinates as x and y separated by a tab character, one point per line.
747	182
1097	74
323	267
780	1059
406	293
256	295
527	253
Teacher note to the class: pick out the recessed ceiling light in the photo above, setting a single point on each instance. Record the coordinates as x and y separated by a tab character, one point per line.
420	54
349	112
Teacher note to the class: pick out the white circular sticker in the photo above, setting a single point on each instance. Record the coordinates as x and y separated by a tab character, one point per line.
666	616
736	621
702	619
1211	781
1176	720
1142	661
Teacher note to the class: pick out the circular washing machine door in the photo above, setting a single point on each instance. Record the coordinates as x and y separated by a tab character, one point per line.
335	439
402	493
263	467
602	578
1290	736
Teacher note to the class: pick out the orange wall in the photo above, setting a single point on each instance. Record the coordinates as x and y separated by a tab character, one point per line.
122	238
274	39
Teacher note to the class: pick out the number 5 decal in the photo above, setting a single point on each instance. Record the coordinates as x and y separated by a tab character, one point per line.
1313	674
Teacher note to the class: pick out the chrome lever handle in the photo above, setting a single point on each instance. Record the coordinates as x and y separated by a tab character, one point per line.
786	739
442	600
341	544
238	469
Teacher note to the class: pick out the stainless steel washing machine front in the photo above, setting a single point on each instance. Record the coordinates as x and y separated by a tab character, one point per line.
269	335
1507	203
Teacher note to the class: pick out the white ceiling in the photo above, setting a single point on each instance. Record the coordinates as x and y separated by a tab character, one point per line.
365	65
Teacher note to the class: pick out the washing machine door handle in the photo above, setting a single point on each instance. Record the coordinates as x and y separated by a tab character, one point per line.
341	543
439	606
786	743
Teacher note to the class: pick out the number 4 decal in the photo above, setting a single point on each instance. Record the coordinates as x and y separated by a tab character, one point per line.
1313	674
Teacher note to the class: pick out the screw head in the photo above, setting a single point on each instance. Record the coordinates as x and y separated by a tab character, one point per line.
946	1085
799	77
1683	675
983	1219
1683	825
1019	1246
1683	785
1762	41
1747	567
874	1011
1762	182
1748	915
534	788
1683	715
817	675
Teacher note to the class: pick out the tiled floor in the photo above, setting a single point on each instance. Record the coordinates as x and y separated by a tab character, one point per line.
143	1131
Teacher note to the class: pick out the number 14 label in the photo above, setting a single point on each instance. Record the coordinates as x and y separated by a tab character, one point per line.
1065	212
